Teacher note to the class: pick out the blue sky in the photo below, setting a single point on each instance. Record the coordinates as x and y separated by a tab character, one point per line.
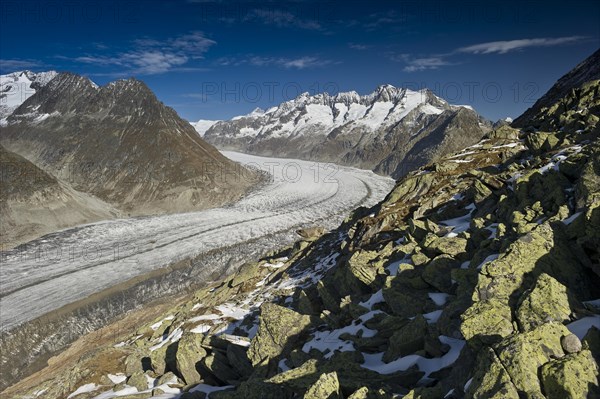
217	59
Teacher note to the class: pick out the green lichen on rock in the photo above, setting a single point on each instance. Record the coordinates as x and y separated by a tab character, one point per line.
547	301
571	377
277	330
523	354
189	353
491	380
326	387
408	339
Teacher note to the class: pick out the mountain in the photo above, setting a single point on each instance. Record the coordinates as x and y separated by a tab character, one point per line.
391	130
16	87
203	125
478	276
556	109
34	203
120	144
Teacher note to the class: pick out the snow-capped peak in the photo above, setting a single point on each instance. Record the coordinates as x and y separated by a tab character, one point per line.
16	87
203	125
320	113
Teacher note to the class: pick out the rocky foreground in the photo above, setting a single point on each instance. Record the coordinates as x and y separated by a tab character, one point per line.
478	276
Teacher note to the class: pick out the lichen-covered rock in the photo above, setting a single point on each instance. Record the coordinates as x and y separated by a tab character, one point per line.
219	367
256	389
311	233
541	141
411	187
238	359
133	362
491	380
408	339
486	322
572	377
523	354
358	273
403	301
452	246
420	228
503	132
326	387
547	301
189	353
419	258
437	273
165	378
278	329
138	380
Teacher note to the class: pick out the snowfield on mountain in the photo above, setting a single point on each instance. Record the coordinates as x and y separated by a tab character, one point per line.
392	130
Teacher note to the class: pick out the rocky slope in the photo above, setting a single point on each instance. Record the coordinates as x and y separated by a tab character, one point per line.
123	146
478	277
558	102
391	130
35	203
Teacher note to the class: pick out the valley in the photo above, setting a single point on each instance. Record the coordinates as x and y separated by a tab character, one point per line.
62	270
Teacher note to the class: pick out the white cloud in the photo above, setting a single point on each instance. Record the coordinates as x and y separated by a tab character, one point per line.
17	64
358	46
152	56
435	61
305	62
390	18
281	19
415	64
503	47
421	64
284	62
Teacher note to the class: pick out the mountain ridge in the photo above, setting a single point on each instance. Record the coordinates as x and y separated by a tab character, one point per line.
341	128
120	144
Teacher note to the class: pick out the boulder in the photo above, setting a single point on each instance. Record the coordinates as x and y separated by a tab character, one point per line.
541	141
278	330
326	387
256	389
419	259
546	301
358	273
523	354
403	301
238	359
437	273
217	364
419	228
311	233
189	353
452	246
138	380
491	380
571	377
407	340
411	187
503	132
486	322
570	343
